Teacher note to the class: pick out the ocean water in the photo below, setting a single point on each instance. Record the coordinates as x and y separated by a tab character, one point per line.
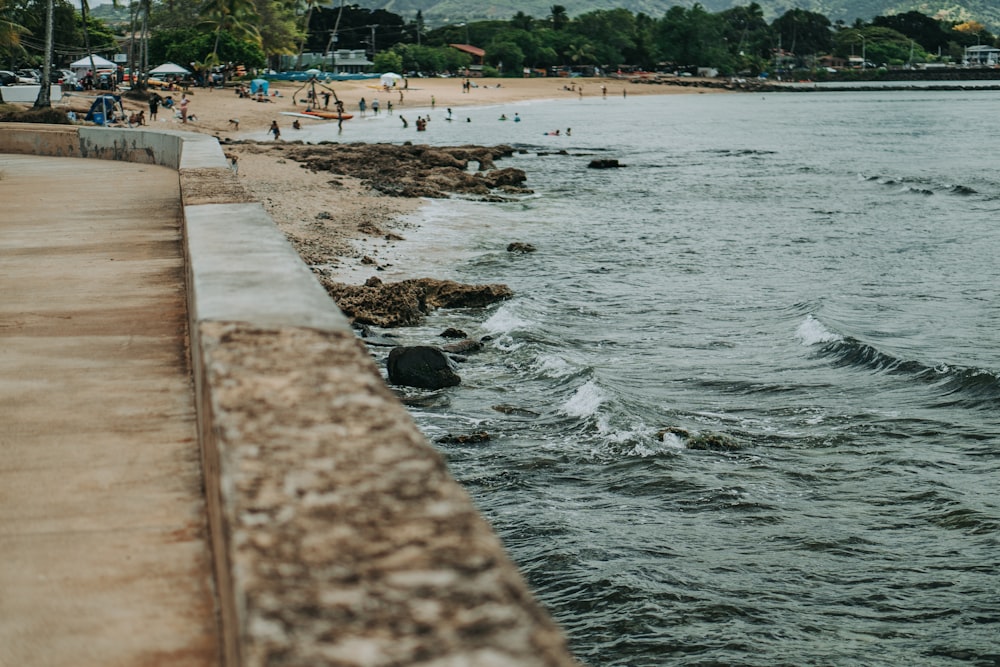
813	276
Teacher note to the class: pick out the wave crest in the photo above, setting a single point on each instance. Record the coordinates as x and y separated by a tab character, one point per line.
812	332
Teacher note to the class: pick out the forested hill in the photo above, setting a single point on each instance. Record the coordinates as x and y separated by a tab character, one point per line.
438	12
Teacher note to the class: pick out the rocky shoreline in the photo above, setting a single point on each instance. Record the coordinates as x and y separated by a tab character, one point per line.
401	171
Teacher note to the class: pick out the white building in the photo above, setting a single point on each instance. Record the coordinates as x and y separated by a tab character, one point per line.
341	61
982	55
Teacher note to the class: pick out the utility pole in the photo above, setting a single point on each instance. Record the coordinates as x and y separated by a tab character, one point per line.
332	53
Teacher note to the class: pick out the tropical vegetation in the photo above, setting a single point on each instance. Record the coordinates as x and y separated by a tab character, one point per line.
257	33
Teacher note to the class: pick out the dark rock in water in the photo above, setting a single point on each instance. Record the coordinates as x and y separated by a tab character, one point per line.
673	430
604	163
713	442
405	303
365	333
421	366
515	410
450	294
462	346
467	438
452	332
437	399
520	246
501	177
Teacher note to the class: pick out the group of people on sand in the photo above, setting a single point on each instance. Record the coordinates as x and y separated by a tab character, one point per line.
180	109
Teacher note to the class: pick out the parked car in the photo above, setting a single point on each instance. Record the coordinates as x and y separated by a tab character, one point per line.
29	76
7	78
63	76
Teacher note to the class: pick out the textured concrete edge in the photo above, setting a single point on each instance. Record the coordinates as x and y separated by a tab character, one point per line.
348	542
410	572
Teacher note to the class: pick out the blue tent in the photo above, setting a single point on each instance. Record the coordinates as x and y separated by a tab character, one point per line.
259	84
103	110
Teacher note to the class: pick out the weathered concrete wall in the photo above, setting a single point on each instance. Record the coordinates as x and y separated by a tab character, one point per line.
339	538
29	93
106	143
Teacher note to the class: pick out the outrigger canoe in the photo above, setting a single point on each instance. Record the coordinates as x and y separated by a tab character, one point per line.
318	115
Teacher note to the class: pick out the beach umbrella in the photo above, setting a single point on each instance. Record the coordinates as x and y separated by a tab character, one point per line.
169	68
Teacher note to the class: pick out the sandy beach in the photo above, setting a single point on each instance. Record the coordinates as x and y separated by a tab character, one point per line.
337	224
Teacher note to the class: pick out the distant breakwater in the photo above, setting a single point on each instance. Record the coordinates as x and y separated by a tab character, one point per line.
950	79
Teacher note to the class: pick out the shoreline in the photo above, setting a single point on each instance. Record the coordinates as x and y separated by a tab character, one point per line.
341	228
335	222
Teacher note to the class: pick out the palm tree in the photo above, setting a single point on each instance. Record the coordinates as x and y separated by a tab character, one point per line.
558	17
581	53
10	32
310	5
138	63
44	99
235	16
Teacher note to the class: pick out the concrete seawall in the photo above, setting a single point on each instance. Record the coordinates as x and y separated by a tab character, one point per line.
338	536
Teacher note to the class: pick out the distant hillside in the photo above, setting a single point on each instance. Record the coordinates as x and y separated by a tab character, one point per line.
438	12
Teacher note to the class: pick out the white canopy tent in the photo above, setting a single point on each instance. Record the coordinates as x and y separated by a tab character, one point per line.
169	68
82	65
389	79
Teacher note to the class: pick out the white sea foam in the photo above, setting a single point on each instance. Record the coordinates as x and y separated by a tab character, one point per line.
505	321
585	401
553	366
812	332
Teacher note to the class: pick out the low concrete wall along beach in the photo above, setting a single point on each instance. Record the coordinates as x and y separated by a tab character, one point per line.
338	536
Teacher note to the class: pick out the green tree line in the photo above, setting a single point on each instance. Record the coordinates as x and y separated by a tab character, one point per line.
255	33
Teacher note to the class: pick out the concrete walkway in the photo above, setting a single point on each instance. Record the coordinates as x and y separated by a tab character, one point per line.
104	557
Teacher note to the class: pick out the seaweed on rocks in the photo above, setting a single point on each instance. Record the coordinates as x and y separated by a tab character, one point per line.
410	170
405	303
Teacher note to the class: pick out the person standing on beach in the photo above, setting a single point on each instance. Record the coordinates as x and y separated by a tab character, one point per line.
154	104
375	105
433	101
362	105
326	99
184	109
275	130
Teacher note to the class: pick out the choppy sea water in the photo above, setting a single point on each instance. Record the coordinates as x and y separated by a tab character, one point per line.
811	275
